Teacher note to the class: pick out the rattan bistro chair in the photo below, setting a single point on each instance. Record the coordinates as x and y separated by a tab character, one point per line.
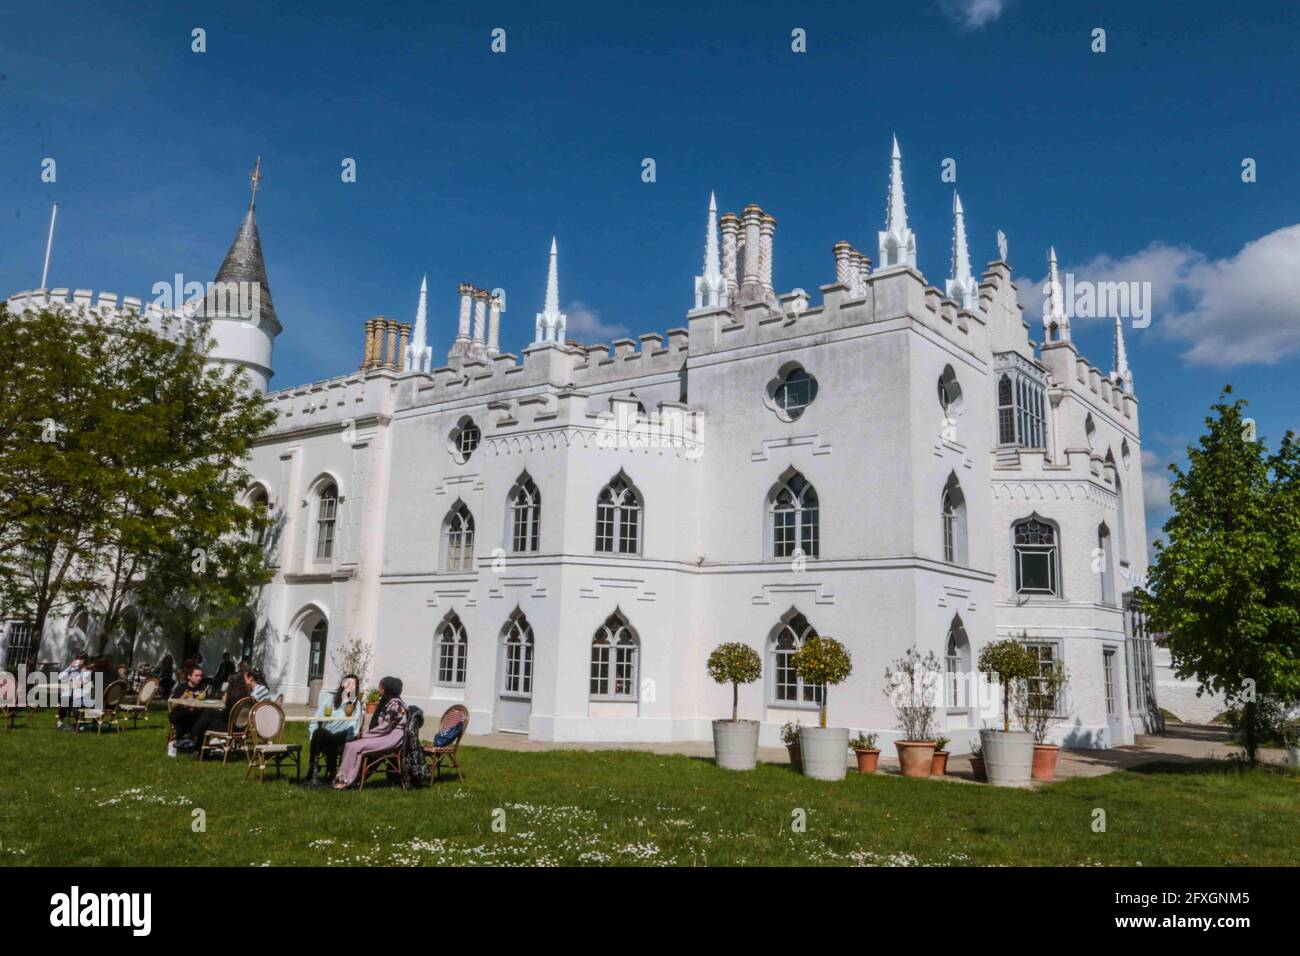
234	737
389	760
9	708
266	741
108	710
140	706
455	714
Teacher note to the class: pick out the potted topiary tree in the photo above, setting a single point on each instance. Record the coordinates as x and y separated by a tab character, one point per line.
735	741
865	749
823	662
1038	702
940	765
1008	754
912	685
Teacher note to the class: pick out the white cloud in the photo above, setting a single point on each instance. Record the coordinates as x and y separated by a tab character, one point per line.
1244	309
1232	311
972	14
1155	483
585	325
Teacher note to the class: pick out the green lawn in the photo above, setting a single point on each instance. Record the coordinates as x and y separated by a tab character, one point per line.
75	799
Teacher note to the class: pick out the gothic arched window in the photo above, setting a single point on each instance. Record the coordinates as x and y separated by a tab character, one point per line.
517	657
614	659
458	532
453	648
787	686
794	518
525	515
327	504
1035	547
618	518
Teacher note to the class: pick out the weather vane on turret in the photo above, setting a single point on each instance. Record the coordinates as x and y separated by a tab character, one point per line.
256	177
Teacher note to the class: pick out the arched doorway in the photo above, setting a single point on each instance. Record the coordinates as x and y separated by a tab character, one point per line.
317	646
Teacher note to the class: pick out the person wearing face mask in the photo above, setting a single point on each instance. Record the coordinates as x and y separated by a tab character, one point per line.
328	735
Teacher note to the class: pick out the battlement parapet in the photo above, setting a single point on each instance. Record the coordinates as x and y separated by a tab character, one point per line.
105	304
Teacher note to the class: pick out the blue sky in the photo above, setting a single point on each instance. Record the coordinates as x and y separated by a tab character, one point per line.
1128	161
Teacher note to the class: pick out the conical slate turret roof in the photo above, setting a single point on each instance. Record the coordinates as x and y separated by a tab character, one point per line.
243	263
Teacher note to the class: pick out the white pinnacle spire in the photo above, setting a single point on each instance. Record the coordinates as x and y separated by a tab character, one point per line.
1054	311
710	288
418	354
961	282
897	242
551	321
1121	372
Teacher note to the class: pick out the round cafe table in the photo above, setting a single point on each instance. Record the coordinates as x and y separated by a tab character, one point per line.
174	702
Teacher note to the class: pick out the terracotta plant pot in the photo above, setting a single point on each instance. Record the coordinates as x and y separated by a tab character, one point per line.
915	757
372	706
977	768
793	751
867	760
1045	761
940	764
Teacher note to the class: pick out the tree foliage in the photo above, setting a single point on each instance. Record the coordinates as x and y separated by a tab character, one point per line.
1225	585
822	661
735	664
1007	661
124	476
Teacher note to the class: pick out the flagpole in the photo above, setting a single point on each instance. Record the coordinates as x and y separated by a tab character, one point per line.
49	244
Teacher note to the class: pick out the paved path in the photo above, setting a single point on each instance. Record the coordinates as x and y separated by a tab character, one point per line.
1182	743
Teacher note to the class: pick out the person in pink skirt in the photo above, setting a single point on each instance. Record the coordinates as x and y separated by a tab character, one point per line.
387	727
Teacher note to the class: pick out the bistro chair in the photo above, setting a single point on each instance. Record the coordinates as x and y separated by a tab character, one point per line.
140	707
457	714
9	708
234	736
108	710
266	741
389	760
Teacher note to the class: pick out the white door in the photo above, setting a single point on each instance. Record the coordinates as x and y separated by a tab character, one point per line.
1110	688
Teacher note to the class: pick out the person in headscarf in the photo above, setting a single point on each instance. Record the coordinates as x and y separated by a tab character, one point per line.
387	727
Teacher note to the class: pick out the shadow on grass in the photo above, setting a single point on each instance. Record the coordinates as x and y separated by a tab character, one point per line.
1209	768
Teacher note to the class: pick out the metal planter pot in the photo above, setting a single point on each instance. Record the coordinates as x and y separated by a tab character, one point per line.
824	752
735	744
1008	757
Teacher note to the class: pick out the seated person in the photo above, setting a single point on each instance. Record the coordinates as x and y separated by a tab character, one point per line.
237	689
78	676
328	736
386	730
191	687
166	675
257	688
224	672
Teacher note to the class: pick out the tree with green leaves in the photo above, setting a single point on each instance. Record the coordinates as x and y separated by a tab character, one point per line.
822	662
140	496
1225	585
735	664
53	485
1009	662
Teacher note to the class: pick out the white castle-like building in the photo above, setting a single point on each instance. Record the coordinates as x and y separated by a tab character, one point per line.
559	540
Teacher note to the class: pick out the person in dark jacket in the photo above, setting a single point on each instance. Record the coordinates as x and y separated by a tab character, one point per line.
236	690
